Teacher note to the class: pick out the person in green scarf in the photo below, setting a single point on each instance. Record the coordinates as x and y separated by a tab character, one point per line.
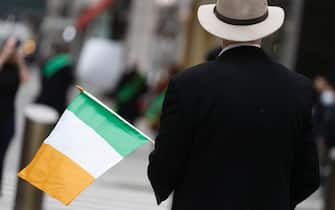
56	79
128	93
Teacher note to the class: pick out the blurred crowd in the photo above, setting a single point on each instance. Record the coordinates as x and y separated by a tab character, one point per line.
133	97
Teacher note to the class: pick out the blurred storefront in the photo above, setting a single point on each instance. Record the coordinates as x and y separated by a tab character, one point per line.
156	34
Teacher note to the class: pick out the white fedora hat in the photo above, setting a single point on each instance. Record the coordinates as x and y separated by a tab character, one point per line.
241	20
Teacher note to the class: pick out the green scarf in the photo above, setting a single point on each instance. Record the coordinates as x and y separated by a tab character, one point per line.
55	64
128	90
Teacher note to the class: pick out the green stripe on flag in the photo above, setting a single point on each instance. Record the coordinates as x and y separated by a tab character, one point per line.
122	137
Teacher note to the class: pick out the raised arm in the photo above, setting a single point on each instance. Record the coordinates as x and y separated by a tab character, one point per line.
22	65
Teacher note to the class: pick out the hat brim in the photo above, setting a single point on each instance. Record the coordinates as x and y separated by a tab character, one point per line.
240	33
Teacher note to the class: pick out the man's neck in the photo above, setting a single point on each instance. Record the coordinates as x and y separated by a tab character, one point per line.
226	43
238	44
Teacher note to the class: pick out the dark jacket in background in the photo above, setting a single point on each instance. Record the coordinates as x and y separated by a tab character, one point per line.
9	85
127	94
324	118
236	135
54	89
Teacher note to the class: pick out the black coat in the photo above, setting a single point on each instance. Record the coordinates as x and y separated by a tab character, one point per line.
54	90
236	135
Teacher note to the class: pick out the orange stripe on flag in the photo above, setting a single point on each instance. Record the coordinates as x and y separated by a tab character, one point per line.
56	174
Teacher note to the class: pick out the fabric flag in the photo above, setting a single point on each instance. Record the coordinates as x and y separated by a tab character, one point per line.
88	140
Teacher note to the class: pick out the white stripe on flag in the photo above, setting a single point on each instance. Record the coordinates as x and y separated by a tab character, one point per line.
83	145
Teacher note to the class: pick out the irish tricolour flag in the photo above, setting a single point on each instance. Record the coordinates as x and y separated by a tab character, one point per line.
88	140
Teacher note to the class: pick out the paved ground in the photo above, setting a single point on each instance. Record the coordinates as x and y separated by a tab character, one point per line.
125	187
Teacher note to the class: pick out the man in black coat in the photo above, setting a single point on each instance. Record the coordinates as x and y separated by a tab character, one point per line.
236	133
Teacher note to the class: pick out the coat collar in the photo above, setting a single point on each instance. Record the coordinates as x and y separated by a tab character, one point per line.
242	52
232	46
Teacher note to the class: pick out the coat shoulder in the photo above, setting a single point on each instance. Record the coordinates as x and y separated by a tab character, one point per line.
298	84
297	78
193	74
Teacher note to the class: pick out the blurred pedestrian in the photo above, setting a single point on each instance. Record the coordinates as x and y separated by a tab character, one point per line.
13	72
323	115
324	110
56	78
236	133
128	93
154	109
323	99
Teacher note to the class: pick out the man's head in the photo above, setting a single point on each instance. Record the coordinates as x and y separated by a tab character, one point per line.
241	20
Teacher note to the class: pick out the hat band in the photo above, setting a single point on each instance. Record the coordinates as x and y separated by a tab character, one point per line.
240	22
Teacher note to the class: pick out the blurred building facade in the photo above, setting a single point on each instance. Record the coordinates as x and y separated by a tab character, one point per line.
156	33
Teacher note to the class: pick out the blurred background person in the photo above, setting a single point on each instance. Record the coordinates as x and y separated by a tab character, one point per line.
56	78
324	120
321	88
153	109
324	97
13	72
129	93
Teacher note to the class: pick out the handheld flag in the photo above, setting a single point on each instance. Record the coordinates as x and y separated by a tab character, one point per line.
88	140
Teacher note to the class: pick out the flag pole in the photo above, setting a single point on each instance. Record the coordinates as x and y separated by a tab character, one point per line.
82	90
